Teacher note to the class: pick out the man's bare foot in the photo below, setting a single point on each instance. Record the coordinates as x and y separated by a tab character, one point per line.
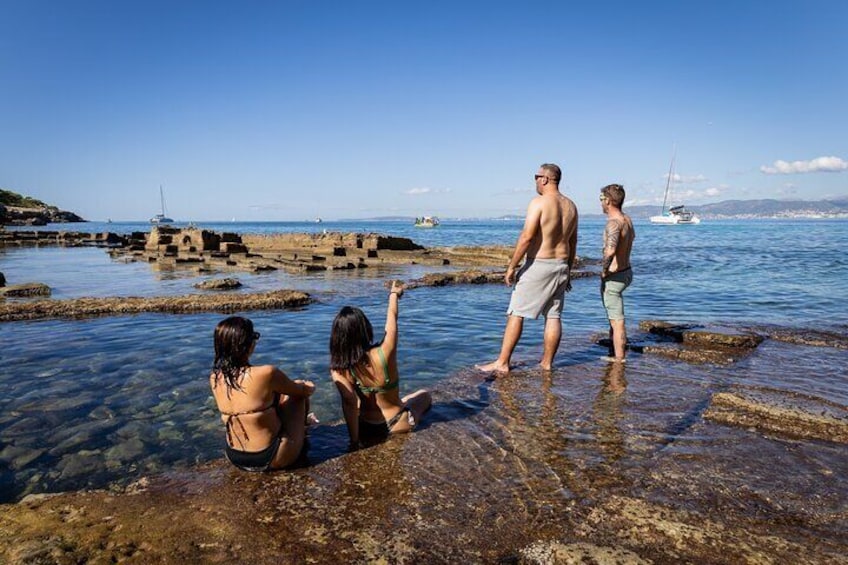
493	367
610	359
545	366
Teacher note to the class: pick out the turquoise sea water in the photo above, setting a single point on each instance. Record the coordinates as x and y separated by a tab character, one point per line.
96	401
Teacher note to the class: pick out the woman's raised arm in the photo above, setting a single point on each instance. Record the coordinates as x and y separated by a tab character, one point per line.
390	341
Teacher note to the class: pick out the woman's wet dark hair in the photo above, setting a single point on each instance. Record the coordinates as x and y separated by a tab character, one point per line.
351	338
233	339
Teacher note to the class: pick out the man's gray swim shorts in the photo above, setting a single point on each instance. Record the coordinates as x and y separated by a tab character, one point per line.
540	289
612	288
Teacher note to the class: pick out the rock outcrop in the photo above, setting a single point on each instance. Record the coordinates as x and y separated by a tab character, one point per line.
697	344
87	307
228	283
63	238
23	216
25	289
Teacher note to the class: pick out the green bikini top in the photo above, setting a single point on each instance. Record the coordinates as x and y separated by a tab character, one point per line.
376	389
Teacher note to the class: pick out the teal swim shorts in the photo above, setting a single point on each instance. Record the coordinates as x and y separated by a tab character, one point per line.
611	289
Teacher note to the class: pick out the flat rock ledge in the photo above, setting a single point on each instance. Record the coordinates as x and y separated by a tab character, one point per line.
87	307
814	338
698	344
474	276
818	420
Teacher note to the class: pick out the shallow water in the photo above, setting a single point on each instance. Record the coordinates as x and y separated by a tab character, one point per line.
103	400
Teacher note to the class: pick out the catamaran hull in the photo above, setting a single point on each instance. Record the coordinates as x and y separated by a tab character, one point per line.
674	220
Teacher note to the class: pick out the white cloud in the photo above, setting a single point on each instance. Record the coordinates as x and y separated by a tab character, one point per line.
712	191
427	190
820	164
684	179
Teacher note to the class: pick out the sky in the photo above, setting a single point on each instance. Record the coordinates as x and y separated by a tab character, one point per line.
295	110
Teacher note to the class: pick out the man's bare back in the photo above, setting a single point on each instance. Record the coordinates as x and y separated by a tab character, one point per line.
556	236
618	236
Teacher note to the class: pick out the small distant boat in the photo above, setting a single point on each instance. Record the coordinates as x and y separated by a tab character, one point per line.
427	222
318	220
161	218
675	215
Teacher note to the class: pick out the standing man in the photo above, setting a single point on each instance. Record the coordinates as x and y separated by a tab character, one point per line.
549	240
616	274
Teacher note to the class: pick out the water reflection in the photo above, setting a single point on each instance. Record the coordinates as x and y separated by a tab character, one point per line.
607	411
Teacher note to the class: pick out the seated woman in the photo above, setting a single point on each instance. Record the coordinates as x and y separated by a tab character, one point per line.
366	376
263	410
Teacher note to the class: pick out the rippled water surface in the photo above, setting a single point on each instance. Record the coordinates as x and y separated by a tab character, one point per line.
103	400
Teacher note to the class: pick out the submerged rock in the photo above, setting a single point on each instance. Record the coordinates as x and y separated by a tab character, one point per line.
694	343
228	283
25	289
781	414
815	338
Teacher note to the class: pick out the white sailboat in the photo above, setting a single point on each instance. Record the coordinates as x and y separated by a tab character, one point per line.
161	218
675	215
427	222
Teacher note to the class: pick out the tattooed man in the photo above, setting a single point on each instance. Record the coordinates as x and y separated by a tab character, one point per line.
616	274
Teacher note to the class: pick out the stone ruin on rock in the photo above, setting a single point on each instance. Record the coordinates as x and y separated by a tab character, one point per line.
296	252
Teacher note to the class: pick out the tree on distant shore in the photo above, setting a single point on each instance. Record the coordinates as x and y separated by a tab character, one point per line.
9	198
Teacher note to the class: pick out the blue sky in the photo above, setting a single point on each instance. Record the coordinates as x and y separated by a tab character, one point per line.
293	110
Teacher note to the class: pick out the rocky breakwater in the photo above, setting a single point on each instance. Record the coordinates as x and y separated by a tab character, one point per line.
63	238
294	252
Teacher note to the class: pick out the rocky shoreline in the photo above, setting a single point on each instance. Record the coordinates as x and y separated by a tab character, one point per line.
675	457
530	479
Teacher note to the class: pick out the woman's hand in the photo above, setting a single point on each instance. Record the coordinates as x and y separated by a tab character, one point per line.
397	288
308	387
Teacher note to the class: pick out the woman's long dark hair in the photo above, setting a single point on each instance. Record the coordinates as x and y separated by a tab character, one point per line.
351	338
233	339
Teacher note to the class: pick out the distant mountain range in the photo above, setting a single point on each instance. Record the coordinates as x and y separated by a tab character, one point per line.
727	209
766	208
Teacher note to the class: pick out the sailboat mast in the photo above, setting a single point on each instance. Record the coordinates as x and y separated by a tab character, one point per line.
162	199
668	180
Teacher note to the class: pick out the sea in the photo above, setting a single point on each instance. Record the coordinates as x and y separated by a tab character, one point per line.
101	402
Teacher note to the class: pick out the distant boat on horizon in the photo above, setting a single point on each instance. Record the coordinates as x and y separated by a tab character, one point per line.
161	218
675	215
427	222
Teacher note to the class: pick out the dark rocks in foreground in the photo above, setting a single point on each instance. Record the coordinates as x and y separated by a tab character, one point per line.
86	307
